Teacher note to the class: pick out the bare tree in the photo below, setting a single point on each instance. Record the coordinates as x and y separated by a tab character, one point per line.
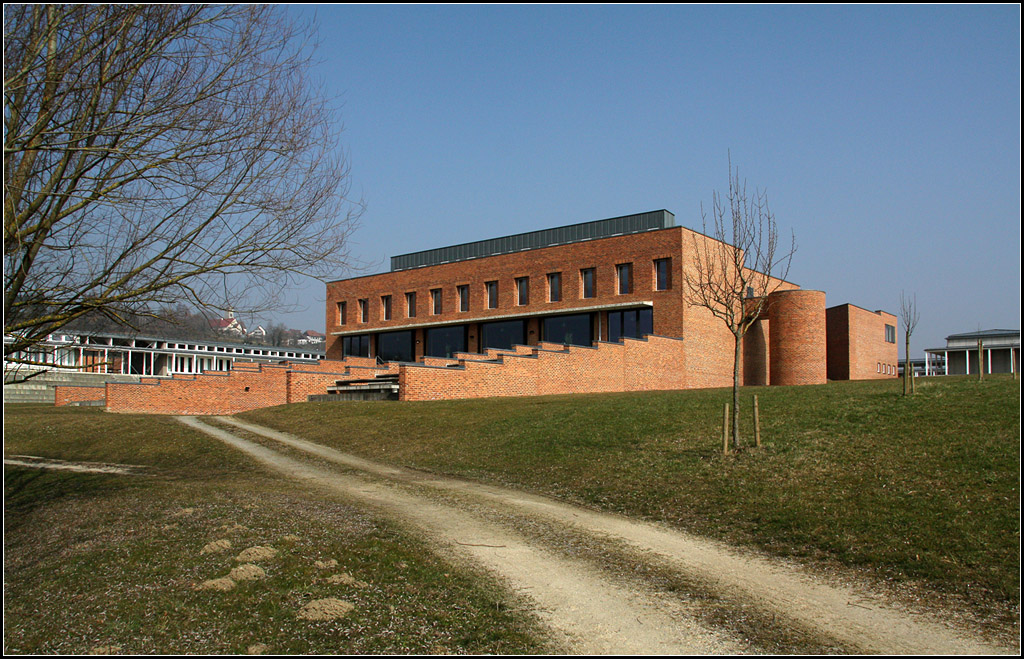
909	318
736	266
158	154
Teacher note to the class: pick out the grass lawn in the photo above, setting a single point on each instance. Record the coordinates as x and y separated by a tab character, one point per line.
105	563
922	490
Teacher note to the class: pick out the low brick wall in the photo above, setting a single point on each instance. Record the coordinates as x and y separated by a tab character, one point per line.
633	365
246	387
64	394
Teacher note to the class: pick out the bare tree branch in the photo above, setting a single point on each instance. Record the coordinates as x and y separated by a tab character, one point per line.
162	154
909	316
736	265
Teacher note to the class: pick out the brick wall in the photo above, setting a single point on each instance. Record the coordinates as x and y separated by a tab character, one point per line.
603	255
633	365
70	393
245	387
857	346
797	338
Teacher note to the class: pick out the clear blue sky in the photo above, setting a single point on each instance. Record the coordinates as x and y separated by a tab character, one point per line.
887	137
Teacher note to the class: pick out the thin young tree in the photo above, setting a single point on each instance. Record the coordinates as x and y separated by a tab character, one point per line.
909	317
159	154
737	263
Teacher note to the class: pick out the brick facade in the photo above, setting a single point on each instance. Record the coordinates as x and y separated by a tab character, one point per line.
65	394
246	387
633	365
858	345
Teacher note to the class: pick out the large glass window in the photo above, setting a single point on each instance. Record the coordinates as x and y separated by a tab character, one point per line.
890	334
662	274
573	329
587	282
445	341
502	335
356	346
396	346
633	323
555	287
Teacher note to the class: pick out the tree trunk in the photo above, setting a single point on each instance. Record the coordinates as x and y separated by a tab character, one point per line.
906	367
736	394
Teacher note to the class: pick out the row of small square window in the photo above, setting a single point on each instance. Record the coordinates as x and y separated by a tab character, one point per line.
885	369
623	279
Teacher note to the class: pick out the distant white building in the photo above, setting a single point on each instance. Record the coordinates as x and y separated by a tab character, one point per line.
311	337
1000	353
151	356
228	325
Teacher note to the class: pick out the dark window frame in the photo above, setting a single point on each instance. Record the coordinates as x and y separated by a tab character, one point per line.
554	287
522	291
436	301
491	290
588	283
624	278
663	274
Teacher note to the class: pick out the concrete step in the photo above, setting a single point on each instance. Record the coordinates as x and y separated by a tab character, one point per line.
39	389
44	396
356	395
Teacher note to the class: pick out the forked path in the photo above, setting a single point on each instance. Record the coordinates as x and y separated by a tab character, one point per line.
595	613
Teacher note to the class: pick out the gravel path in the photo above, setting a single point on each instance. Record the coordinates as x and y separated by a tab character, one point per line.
595	613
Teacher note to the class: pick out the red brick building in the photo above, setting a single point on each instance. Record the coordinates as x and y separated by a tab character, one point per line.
586	291
592	307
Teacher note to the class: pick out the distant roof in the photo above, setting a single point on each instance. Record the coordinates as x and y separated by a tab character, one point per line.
572	233
984	334
221	323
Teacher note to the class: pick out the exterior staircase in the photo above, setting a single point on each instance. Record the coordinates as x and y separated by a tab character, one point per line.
382	387
39	389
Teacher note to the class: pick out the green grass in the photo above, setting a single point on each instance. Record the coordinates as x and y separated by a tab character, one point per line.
922	490
98	561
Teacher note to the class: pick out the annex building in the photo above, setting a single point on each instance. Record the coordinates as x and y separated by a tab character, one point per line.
608	296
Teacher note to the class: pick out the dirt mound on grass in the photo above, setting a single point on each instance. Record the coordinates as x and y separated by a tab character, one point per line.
247	572
325	609
257	553
223	584
347	580
216	546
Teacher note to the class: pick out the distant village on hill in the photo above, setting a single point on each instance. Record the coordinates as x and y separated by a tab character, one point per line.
187	324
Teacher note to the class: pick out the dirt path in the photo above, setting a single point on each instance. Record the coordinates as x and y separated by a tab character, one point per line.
597	614
36	462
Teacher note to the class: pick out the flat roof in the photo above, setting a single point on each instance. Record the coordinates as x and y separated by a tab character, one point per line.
519	242
984	334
